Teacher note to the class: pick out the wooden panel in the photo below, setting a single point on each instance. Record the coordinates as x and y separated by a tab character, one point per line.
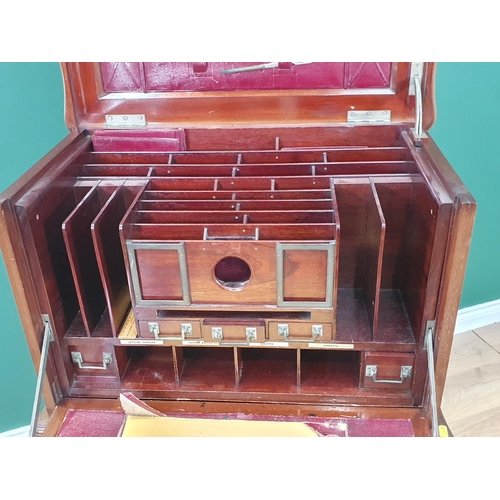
262	232
213	367
170	328
300	331
457	250
216	217
328	370
395	203
304	275
259	256
107	247
150	196
92	360
178	360
159	274
374	241
85	81
389	368
289	106
352	203
238	365
424	255
50	255
233	332
263	367
244	205
152	369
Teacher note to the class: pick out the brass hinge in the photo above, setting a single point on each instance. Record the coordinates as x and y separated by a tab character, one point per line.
369	116
125	121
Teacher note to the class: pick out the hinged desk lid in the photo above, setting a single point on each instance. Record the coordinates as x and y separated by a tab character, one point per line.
215	94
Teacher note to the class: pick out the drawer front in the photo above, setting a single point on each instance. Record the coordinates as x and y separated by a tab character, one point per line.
170	330
380	370
300	332
231	334
97	360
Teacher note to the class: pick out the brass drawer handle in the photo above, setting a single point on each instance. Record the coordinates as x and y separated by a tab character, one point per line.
77	358
284	331
186	330
251	334
371	371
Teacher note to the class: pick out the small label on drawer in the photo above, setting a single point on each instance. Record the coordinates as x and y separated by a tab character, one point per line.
331	346
141	342
276	344
198	342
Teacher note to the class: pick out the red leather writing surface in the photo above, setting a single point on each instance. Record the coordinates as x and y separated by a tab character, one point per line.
205	76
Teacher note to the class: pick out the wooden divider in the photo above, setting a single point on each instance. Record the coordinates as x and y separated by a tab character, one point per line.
80	248
108	251
374	250
178	358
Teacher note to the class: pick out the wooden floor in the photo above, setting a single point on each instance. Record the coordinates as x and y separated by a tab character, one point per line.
471	401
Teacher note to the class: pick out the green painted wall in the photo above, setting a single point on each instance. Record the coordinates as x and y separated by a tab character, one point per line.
31	123
467	130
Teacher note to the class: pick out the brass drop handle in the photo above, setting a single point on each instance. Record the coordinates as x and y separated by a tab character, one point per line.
77	358
251	334
284	331
186	330
371	371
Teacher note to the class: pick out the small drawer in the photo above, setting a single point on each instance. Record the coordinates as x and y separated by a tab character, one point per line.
300	332
387	370
170	330
93	360
227	333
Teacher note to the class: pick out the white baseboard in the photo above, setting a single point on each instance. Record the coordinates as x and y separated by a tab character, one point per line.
19	432
477	316
468	318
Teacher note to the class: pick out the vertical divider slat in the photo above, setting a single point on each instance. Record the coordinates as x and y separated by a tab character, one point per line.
238	365
299	371
178	359
336	222
374	252
82	257
109	255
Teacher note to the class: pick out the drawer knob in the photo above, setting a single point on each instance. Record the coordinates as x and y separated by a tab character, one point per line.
77	358
371	371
